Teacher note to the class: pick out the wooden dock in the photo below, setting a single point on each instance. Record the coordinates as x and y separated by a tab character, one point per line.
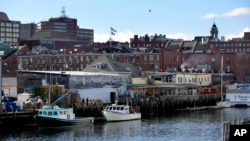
226	127
17	118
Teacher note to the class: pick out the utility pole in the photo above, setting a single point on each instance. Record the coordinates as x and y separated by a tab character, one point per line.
1	54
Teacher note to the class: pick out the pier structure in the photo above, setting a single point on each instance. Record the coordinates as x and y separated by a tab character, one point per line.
163	105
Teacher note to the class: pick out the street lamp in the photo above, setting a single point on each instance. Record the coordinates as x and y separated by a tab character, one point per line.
1	54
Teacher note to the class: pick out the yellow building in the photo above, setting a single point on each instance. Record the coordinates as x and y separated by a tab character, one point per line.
199	79
162	83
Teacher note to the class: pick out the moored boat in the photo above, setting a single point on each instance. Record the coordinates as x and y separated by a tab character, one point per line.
223	104
55	116
116	112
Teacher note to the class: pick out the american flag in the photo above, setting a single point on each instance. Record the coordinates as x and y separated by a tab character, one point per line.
112	31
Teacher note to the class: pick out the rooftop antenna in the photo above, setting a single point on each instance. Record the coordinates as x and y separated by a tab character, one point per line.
63	12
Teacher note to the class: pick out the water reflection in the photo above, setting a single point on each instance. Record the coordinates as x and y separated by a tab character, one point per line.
65	133
121	130
187	126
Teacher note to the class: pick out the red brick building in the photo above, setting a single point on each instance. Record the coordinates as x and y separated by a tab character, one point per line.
10	64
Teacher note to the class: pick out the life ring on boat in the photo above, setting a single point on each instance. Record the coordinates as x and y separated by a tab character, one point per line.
68	116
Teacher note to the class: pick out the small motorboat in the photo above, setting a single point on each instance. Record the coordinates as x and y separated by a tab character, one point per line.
223	104
117	112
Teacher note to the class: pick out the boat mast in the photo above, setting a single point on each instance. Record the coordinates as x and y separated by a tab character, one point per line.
50	84
221	77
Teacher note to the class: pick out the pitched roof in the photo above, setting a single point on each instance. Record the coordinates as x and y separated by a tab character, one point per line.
188	46
135	72
173	46
201	47
105	63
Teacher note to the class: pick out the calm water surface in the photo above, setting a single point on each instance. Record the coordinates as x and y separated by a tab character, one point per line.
189	126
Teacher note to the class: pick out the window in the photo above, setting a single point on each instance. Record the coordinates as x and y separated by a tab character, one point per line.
49	113
40	112
228	60
248	50
194	80
44	113
151	57
240	50
15	25
180	79
8	25
157	57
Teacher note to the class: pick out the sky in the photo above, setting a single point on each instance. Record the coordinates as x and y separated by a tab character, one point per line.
177	19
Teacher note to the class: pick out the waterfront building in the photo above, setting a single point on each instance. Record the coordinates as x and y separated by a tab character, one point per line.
91	85
170	83
103	79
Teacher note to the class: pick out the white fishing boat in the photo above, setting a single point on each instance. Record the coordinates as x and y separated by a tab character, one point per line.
117	112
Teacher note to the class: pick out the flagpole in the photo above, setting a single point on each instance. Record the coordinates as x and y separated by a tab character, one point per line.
110	41
112	32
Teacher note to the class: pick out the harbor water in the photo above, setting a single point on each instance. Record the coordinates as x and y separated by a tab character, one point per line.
205	125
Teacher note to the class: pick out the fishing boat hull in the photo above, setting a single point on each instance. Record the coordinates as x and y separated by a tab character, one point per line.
116	116
55	122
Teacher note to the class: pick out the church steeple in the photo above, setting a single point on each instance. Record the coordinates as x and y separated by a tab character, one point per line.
214	31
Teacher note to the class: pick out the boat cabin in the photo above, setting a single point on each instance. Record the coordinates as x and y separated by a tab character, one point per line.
120	108
56	112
